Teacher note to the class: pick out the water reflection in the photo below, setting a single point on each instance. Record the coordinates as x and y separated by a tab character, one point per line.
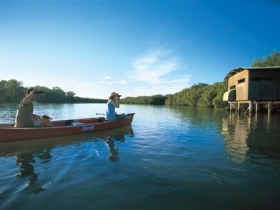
35	153
8	112
110	139
25	160
26	169
250	135
113	151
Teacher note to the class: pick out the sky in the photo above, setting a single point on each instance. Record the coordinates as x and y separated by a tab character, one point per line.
133	47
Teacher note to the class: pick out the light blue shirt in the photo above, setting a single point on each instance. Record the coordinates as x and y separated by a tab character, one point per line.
110	111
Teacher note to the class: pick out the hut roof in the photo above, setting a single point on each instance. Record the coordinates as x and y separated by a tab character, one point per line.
239	69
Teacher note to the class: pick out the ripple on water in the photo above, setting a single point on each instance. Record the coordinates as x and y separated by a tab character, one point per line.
176	157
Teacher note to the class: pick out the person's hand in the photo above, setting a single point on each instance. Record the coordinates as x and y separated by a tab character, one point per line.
115	98
31	92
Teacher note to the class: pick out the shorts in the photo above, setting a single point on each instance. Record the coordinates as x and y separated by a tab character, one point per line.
37	123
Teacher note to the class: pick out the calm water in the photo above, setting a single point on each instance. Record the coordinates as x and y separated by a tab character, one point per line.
169	158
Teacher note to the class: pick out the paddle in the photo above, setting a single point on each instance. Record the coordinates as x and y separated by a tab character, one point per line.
99	114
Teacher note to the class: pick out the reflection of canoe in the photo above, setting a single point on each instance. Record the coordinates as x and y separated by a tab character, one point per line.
62	128
15	147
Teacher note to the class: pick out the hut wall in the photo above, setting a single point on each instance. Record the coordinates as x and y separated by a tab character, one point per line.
264	85
239	82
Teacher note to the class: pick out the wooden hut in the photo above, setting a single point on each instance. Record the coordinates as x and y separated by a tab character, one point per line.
253	85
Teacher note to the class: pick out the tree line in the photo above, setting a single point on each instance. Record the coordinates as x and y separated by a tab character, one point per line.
13	91
201	94
270	60
155	99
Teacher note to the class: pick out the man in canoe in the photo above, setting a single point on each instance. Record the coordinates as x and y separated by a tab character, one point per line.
113	102
25	117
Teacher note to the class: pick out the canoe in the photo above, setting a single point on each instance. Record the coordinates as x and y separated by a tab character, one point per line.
62	128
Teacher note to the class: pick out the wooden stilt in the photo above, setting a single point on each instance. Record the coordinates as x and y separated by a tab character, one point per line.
238	107
249	108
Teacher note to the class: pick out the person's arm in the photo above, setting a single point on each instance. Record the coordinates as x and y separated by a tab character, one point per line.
116	103
28	98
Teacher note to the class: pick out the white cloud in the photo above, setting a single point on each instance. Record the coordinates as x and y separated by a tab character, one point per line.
112	82
108	80
157	73
153	66
167	87
122	82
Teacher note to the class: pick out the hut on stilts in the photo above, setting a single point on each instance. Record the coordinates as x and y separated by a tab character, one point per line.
253	86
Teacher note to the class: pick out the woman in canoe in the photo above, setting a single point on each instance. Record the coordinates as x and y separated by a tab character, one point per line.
25	116
113	102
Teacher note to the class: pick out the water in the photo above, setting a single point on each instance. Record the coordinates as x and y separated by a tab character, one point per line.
169	158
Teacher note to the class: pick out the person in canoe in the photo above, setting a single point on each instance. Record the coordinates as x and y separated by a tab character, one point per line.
25	116
112	104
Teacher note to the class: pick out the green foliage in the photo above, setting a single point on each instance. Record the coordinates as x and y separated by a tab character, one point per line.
220	88
206	98
70	96
155	99
169	99
269	60
200	95
13	91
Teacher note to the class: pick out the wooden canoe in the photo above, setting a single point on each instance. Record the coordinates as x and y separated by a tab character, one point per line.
62	128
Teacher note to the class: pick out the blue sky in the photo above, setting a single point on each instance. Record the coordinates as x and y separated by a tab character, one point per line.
132	47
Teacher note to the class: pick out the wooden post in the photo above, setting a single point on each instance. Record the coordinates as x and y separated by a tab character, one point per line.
249	107
256	107
238	107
